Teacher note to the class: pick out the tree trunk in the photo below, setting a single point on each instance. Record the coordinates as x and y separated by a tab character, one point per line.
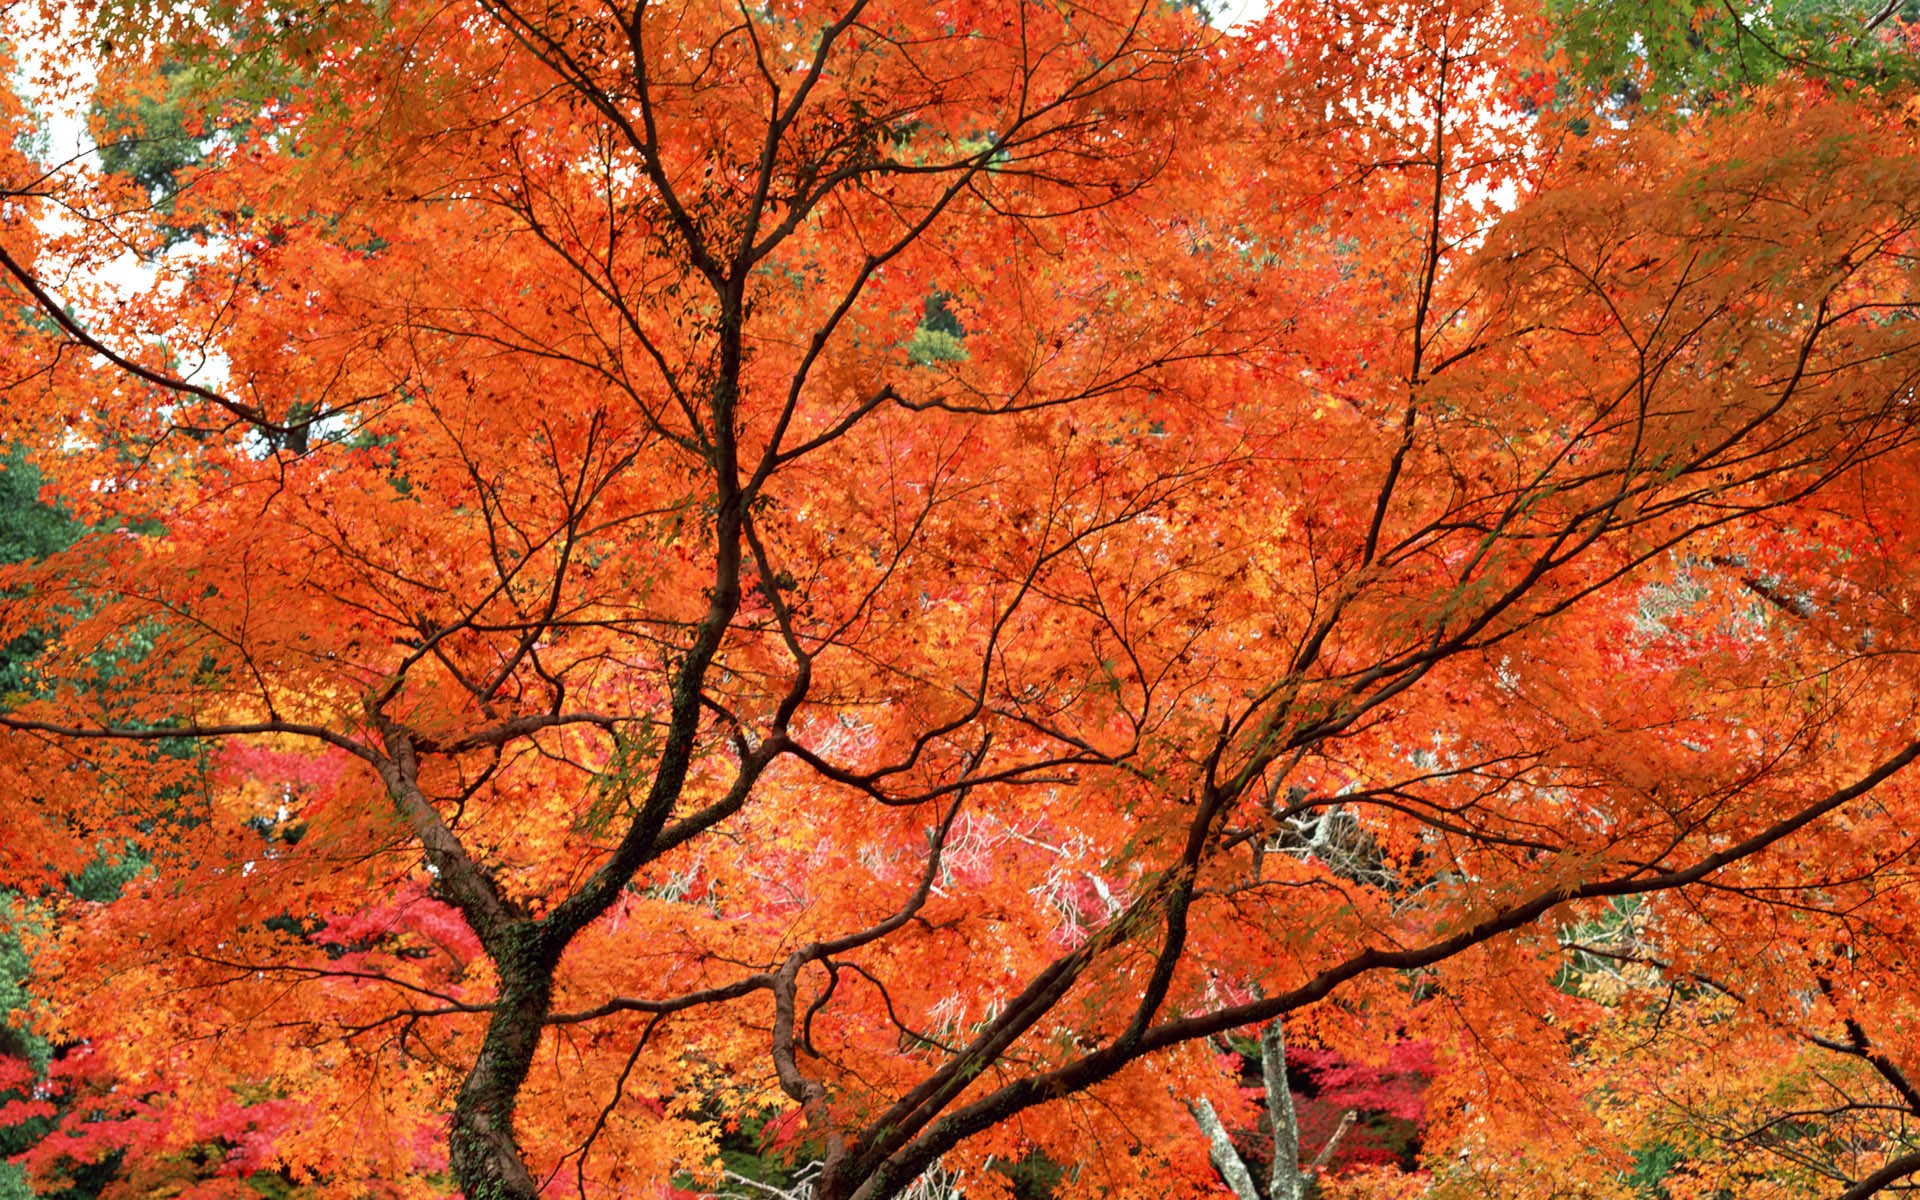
1226	1157
1289	1179
485	1154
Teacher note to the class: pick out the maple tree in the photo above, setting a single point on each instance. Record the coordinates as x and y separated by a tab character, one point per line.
867	579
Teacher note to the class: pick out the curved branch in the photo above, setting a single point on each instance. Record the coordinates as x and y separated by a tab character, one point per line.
1894	1171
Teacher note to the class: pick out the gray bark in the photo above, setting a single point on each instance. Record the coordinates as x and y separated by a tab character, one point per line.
1290	1179
1220	1148
1286	1181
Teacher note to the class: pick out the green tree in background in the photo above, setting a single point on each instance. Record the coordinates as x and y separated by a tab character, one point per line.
1677	57
31	529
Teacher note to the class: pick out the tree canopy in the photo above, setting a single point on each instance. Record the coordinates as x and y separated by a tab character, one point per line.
652	597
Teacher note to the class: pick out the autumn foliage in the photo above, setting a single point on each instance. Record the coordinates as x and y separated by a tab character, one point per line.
862	594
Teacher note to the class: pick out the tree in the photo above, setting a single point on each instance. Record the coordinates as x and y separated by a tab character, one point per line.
1712	56
650	694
